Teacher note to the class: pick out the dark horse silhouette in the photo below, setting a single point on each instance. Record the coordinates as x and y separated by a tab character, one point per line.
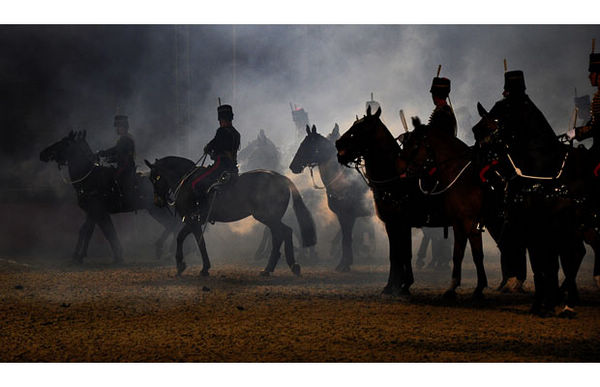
401	203
98	197
263	194
546	213
345	192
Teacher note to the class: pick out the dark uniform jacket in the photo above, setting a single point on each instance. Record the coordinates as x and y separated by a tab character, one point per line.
123	154
527	133
443	119
224	145
592	128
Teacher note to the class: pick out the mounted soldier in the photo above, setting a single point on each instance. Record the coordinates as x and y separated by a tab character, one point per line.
123	155
260	153
222	149
442	116
592	130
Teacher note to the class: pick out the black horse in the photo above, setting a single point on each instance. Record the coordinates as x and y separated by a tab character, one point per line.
346	194
401	203
263	194
545	211
98	196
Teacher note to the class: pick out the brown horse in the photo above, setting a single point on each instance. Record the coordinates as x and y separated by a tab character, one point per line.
402	203
262	194
345	192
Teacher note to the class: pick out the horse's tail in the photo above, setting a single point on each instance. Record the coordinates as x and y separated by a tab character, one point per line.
305	219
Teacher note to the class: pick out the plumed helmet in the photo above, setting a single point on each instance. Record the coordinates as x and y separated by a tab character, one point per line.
440	87
121	121
225	112
514	81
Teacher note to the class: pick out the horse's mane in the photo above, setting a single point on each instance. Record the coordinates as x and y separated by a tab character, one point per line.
176	162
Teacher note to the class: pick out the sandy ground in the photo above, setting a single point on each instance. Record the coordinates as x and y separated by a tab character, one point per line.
142	313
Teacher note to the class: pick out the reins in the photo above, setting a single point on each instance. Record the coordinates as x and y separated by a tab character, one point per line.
433	192
185	177
67	181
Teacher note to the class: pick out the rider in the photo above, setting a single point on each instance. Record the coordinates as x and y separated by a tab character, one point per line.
123	154
222	149
442	116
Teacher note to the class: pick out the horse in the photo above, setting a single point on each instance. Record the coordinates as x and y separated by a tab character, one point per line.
345	194
401	203
262	194
553	223
98	197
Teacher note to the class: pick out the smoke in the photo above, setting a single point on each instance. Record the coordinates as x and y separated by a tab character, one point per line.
167	80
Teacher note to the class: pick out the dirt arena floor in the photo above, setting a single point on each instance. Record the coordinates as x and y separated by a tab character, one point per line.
143	313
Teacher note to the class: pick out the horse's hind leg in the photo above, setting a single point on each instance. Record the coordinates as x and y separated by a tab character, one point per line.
288	244
347	224
198	234
183	233
276	242
108	228
262	247
477	252
85	234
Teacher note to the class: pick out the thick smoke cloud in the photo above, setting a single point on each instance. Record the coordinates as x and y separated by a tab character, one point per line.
167	79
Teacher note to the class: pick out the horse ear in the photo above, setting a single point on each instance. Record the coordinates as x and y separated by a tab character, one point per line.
378	112
369	111
307	129
149	164
314	129
481	110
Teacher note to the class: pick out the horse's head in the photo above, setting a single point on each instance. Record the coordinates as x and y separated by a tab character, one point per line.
486	128
313	150
159	182
357	140
64	150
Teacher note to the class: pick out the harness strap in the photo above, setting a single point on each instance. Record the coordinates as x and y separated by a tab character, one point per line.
445	189
519	173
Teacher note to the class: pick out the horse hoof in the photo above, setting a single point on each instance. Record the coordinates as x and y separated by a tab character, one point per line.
265	273
478	296
342	268
204	273
296	269
180	268
567	312
449	295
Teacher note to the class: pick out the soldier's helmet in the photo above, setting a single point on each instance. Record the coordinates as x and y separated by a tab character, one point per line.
121	121
440	87
514	82
225	112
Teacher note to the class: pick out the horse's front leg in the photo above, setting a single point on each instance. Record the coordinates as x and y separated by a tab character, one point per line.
85	234
199	235
347	225
476	243
460	242
183	233
397	241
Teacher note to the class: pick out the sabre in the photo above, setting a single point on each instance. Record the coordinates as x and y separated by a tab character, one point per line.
439	69
403	121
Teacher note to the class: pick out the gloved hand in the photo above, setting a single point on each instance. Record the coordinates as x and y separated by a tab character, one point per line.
416	121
